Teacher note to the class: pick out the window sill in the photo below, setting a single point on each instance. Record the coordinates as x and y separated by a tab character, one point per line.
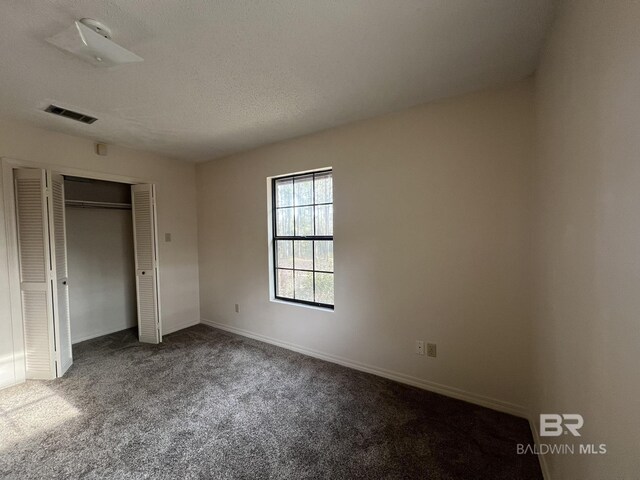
303	305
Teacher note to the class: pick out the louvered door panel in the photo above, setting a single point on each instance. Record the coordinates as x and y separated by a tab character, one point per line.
35	309
30	200
57	194
35	282
147	312
62	320
144	228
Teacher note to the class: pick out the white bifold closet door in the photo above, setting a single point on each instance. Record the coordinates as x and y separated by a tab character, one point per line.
43	272
146	261
62	317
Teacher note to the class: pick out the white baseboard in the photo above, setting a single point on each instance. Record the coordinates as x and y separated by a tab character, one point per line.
181	326
544	466
101	333
12	384
448	391
175	328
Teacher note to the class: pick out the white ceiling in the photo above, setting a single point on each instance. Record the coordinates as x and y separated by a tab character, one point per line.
228	75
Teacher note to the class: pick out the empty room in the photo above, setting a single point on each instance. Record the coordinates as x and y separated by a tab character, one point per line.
315	239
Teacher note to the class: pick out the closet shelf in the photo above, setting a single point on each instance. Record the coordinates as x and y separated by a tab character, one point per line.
89	204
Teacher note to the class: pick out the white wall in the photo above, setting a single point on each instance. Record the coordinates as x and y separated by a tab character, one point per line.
102	287
176	214
431	243
587	262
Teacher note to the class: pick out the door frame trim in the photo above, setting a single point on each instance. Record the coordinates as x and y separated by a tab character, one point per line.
13	262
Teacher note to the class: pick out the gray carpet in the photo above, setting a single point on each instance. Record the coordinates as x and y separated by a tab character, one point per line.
208	404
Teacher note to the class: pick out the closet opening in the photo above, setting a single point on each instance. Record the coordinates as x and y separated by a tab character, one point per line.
86	263
100	256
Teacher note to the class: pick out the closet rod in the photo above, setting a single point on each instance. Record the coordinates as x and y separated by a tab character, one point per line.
89	204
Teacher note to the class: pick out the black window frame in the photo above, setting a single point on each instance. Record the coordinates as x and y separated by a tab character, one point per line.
276	237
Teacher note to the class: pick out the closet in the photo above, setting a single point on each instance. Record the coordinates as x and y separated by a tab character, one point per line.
63	290
100	257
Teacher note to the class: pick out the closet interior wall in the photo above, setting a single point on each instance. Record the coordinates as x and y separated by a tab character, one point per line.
100	257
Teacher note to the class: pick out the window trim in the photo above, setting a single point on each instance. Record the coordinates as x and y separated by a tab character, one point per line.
275	237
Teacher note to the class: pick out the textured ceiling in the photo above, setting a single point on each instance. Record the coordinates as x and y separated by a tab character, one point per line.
228	75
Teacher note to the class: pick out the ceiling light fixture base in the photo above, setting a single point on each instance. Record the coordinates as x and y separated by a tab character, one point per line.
91	41
98	27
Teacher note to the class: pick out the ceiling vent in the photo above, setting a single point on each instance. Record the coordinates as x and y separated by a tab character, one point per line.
63	112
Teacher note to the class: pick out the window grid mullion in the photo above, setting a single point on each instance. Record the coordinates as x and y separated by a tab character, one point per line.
293	249
316	237
307	205
313	242
294	209
303	270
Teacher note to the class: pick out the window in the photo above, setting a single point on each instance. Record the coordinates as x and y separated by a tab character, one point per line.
303	238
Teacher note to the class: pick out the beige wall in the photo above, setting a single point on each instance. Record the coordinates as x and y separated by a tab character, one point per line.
102	272
587	262
431	243
176	214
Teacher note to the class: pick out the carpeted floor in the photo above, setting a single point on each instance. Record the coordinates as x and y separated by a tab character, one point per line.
208	404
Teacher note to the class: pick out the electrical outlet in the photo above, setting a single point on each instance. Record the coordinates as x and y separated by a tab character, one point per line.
237	308
419	347
431	350
167	237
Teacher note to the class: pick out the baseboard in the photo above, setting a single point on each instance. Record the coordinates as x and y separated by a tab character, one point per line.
542	459
448	391
165	332
93	335
12	384
180	327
